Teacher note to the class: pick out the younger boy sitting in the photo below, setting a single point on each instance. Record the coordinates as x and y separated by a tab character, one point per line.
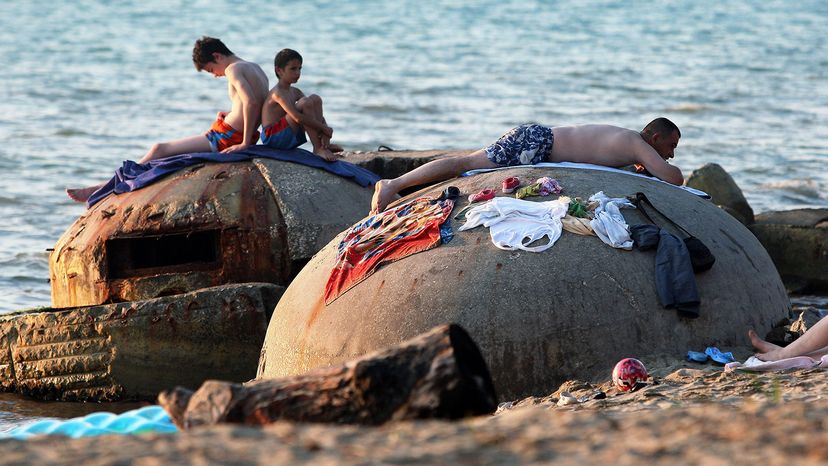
287	113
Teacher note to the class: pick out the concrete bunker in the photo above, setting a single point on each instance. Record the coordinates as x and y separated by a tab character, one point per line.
539	318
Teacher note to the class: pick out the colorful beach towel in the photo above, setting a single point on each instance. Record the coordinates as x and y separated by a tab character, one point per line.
389	236
133	175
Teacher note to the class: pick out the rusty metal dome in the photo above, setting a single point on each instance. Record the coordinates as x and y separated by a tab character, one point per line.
207	225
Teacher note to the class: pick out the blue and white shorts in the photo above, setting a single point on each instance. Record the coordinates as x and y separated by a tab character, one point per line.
524	145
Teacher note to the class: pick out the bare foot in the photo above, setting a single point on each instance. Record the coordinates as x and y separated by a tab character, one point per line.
82	194
760	344
767	351
383	195
325	154
335	148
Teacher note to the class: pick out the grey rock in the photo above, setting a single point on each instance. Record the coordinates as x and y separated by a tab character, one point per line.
808	317
134	350
391	164
797	241
714	180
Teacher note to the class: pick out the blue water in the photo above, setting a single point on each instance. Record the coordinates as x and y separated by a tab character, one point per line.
87	84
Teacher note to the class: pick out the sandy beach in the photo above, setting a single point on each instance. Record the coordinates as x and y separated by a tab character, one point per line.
688	413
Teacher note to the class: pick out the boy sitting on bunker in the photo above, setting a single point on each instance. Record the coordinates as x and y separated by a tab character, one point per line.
232	131
288	113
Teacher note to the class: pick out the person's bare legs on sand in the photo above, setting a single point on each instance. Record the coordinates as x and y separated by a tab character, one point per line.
813	343
186	145
385	191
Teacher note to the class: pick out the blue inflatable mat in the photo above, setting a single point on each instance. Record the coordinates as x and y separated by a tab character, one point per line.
138	421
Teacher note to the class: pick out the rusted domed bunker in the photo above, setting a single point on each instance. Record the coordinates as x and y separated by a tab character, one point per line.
139	273
569	312
207	225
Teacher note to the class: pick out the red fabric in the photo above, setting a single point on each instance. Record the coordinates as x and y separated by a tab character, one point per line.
227	136
386	237
277	127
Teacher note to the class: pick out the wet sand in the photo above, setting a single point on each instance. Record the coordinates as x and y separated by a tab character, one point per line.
687	414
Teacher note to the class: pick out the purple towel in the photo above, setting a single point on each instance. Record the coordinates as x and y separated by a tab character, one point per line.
132	175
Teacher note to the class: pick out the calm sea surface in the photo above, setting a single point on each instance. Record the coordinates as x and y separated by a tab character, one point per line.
89	84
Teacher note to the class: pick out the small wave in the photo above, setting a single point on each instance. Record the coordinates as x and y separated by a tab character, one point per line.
70	132
807	187
688	108
383	108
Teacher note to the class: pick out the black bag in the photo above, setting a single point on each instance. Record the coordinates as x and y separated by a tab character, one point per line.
700	255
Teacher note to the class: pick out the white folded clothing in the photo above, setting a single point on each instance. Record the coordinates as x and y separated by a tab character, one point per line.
515	223
609	224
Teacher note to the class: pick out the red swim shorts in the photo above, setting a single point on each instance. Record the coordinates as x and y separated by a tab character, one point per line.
222	136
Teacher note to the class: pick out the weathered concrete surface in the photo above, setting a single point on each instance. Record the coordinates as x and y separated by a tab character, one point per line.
204	226
797	241
134	350
724	192
569	312
391	164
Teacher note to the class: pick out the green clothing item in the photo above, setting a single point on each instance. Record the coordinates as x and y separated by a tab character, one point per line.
526	191
577	209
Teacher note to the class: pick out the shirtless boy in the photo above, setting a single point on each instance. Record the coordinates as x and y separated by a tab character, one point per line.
288	113
232	131
530	144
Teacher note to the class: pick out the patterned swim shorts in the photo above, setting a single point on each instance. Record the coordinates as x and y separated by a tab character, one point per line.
524	145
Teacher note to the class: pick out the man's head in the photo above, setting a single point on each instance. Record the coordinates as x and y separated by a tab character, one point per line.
288	62
662	135
209	54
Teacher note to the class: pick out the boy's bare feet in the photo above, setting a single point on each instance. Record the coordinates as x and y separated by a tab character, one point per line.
767	351
325	154
383	195
82	194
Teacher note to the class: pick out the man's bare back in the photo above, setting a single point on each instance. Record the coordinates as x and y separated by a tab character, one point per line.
598	144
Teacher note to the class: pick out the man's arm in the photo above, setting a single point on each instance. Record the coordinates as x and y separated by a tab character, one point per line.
287	103
646	156
251	106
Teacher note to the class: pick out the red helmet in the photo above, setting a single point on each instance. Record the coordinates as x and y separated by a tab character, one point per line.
628	373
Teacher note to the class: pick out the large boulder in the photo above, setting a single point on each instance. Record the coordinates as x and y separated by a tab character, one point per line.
206	225
797	241
724	192
134	350
569	312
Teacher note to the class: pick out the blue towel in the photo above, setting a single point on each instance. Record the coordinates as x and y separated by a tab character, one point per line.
133	175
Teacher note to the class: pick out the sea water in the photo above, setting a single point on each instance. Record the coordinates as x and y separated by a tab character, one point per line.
87	84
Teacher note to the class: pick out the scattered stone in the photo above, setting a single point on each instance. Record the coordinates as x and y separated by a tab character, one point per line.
724	192
566	399
797	242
